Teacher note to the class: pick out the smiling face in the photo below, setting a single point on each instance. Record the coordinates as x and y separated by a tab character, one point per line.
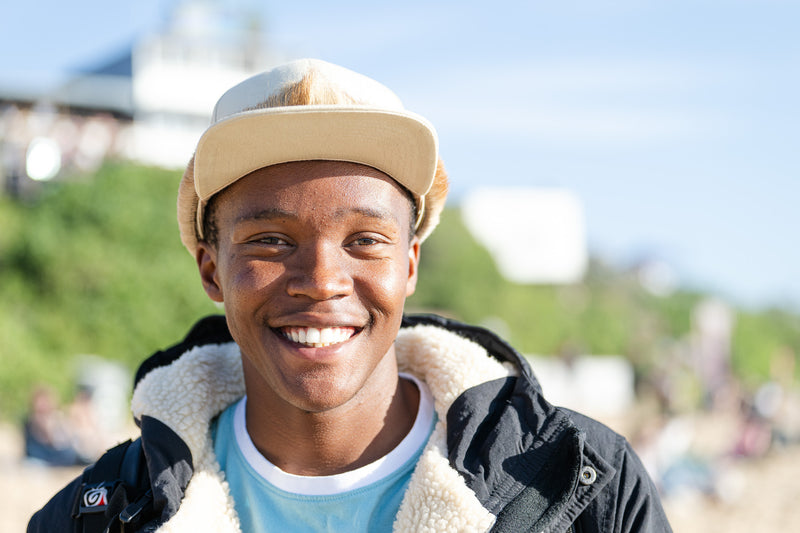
313	262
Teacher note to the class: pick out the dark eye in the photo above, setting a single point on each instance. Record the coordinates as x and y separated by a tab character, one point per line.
365	241
271	241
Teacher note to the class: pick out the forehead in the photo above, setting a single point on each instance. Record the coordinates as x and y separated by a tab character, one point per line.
315	188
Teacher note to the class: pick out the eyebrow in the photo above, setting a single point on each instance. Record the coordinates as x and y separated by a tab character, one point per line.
369	212
274	213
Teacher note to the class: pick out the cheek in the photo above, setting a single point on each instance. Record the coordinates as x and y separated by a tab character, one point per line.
386	286
251	281
250	292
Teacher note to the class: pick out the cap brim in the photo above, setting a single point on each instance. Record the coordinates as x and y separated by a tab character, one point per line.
401	144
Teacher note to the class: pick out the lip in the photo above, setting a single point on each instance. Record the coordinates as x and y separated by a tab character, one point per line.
316	320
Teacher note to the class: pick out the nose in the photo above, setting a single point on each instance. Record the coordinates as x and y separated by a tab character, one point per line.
319	272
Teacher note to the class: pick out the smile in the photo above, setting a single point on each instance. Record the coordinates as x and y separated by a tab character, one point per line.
318	337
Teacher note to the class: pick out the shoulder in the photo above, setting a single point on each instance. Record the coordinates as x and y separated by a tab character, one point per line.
56	515
212	329
601	437
612	446
631	501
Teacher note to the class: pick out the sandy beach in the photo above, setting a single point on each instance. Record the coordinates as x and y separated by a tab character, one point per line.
763	493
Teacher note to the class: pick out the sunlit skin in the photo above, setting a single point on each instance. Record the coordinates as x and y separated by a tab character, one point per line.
317	244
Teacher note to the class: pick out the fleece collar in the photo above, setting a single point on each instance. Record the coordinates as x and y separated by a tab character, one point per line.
188	393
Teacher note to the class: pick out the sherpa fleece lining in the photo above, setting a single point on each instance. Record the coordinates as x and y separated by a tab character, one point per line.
187	394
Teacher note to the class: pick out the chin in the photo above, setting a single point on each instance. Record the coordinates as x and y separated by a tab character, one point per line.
319	393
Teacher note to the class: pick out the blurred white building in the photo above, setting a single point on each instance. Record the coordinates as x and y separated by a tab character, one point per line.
601	386
178	75
535	235
150	103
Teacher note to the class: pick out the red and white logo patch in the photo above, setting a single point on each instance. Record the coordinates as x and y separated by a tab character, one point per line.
95	497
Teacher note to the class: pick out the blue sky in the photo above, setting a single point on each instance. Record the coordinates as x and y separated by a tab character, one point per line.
675	122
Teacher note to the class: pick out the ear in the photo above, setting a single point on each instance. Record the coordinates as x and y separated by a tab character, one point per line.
206	257
413	265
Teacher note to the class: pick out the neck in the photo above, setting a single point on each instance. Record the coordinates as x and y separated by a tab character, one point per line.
336	440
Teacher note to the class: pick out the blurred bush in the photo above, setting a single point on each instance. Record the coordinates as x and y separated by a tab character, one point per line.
611	312
94	265
91	266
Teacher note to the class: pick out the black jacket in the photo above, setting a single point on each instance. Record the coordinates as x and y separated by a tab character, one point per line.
501	457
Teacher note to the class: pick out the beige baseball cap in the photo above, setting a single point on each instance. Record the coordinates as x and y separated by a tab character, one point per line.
309	110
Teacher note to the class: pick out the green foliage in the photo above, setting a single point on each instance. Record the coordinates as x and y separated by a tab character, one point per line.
96	267
602	316
609	313
456	275
91	267
761	340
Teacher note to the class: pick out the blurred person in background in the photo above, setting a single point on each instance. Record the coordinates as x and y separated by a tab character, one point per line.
314	404
47	432
85	429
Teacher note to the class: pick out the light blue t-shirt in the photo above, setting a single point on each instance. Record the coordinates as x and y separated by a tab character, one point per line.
269	499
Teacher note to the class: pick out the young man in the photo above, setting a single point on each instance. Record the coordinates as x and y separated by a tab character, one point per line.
314	405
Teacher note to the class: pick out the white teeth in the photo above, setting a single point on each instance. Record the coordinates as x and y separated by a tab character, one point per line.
318	337
326	336
312	336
